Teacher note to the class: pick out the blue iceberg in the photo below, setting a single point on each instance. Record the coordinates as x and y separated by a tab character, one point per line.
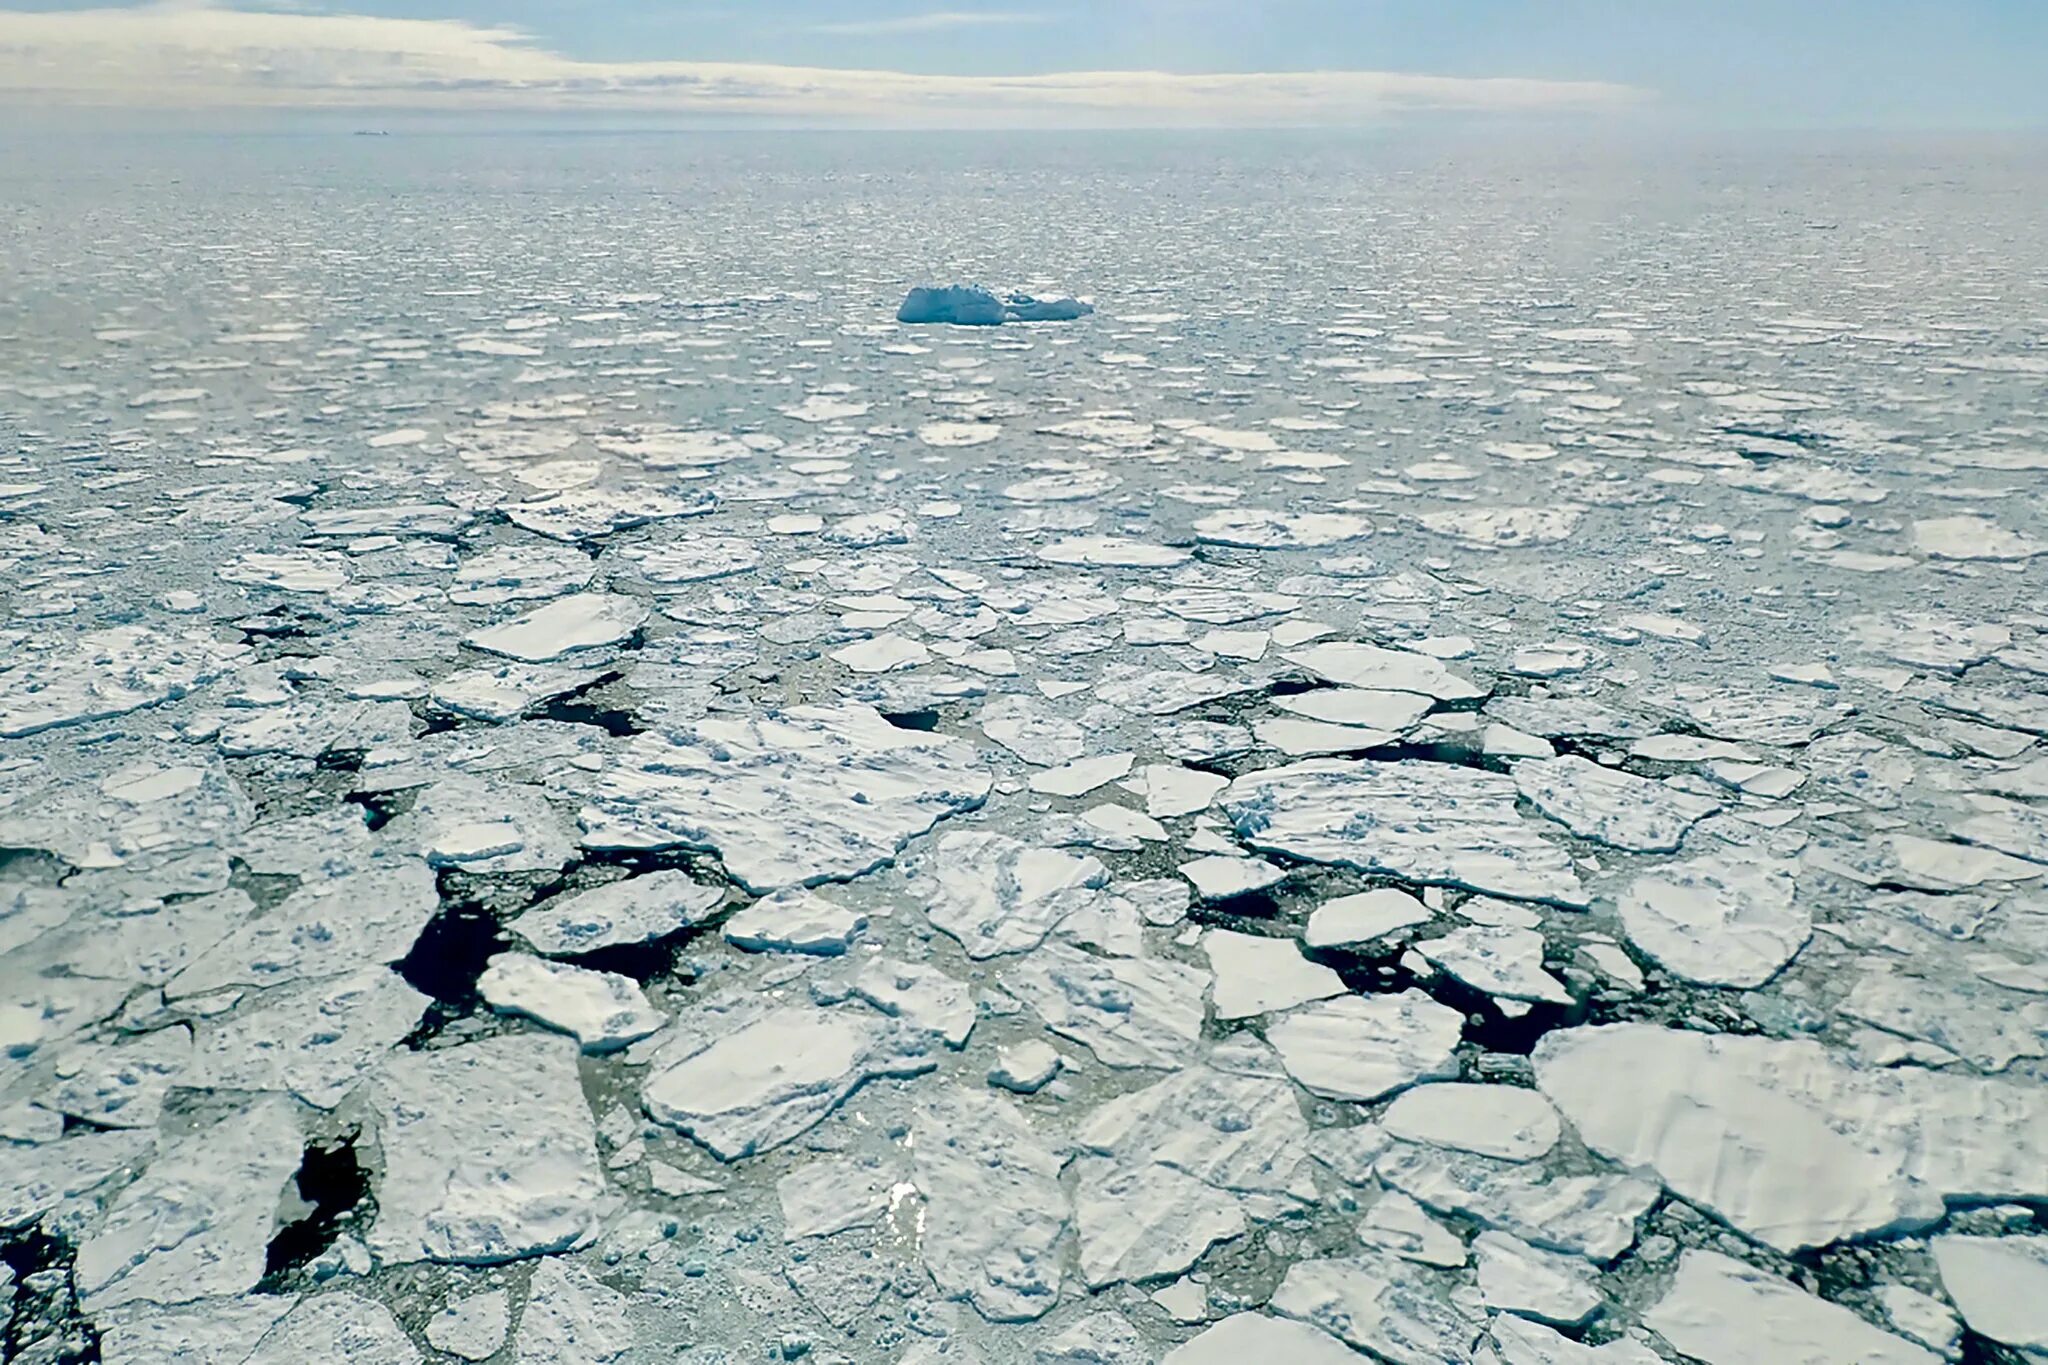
966	305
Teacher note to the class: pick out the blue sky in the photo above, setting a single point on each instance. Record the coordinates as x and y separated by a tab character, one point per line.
1741	63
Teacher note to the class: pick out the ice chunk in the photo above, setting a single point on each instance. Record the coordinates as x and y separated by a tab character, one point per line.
1523	1342
1130	1012
1260	528
567	625
1500	528
1104	1338
1722	1312
473	1327
1026	1068
997	895
636	910
1586	1215
1361	1047
1027	729
1612	807
602	1011
1502	960
1254	974
919	994
775	1075
1423	822
1973	538
829	1196
38	1177
1497	1121
1788	1144
343	1328
1350	921
197	1223
994	1211
1373	669
209	1332
1250	1337
572	1318
316	1041
795	920
2000	1286
1235	1131
1401	1227
1221	877
70	679
1147	1222
1081	776
1721	920
327	927
490	1153
811	794
1515	1277
1380	1305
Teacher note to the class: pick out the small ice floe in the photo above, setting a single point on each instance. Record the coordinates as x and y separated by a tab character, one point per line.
966	305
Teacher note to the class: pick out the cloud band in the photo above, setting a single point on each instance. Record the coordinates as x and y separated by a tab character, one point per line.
203	56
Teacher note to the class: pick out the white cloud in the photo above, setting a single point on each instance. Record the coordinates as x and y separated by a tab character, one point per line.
196	55
935	22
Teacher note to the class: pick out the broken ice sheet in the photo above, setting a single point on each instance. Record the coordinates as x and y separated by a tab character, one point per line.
750	1083
198	1222
490	1153
1611	807
1831	1151
997	895
1722	920
1425	822
813	794
1101	589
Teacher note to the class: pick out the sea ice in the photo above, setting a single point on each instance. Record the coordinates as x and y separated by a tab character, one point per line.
775	1075
812	794
1722	1312
1424	822
490	1153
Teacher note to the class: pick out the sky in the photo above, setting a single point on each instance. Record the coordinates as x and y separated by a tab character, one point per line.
1794	64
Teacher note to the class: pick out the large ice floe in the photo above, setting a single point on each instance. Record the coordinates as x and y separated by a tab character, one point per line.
572	792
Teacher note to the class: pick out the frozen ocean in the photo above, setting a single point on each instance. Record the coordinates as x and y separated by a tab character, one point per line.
1446	764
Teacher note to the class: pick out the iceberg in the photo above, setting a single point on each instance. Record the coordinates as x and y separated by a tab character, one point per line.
966	305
